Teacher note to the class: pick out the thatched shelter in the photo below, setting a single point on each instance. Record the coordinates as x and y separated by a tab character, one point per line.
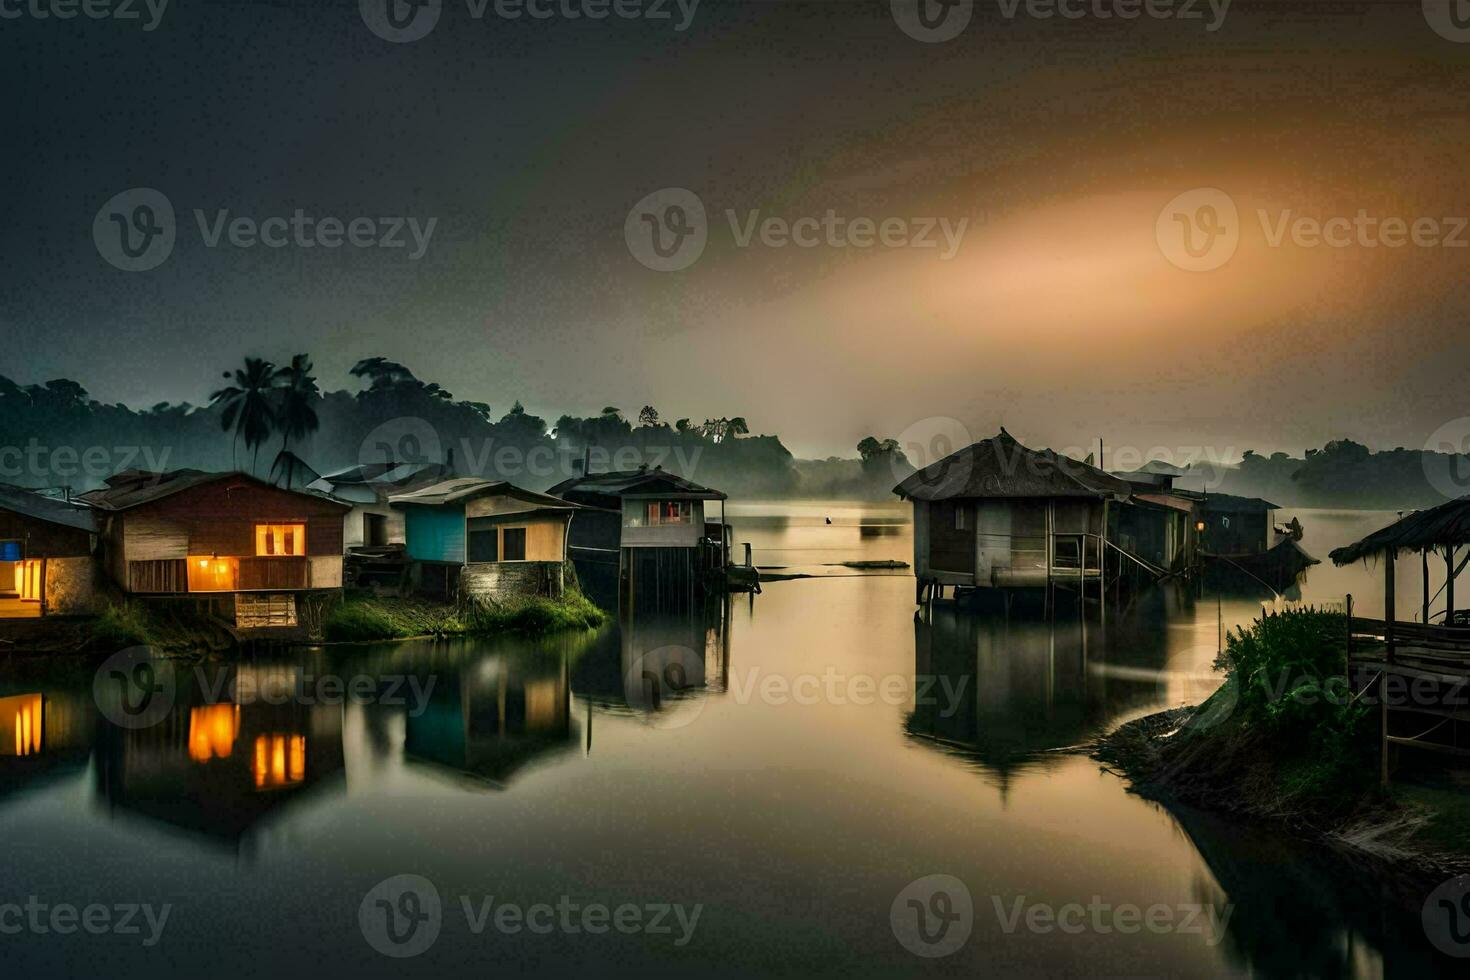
1445	526
1437	530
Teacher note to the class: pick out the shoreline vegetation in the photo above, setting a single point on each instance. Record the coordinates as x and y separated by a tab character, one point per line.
281	425
356	618
1281	743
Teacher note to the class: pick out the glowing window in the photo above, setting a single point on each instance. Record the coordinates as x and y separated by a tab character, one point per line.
280	540
669	512
280	760
20	725
208	574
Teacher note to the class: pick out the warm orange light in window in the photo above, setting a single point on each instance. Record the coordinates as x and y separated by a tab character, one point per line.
212	731
280	539
20	716
214	574
280	760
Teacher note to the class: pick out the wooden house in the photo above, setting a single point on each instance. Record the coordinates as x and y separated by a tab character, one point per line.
373	522
999	515
485	538
1236	526
251	550
46	556
645	529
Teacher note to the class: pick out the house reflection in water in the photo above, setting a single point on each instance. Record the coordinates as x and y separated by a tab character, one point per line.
220	768
653	665
43	734
1004	691
496	711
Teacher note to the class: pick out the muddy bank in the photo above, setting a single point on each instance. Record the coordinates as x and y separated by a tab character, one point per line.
1412	836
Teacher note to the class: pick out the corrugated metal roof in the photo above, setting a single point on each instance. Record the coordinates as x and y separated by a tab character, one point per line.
133	488
1000	467
1229	503
463	488
28	503
630	482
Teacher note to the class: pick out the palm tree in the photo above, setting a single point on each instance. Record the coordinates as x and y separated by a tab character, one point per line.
247	404
296	416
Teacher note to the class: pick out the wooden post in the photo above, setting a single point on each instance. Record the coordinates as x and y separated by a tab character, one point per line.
1389	560
1425	555
1347	656
1449	585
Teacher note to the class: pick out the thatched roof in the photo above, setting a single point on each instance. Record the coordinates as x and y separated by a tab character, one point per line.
1447	524
1002	467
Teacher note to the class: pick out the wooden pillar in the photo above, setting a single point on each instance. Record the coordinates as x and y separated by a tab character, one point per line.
1425	555
1390	558
1449	584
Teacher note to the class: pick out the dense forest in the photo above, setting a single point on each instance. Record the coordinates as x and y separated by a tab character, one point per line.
277	422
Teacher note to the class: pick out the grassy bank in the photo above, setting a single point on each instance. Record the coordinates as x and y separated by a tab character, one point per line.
1284	741
366	618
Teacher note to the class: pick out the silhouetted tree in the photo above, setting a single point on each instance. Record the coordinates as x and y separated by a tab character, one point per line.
295	413
246	405
648	416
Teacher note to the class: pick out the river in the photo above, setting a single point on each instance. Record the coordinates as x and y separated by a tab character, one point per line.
563	808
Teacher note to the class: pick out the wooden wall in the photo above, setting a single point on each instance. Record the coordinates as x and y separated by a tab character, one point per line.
42	539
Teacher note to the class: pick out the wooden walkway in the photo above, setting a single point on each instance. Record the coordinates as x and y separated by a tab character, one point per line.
1422	678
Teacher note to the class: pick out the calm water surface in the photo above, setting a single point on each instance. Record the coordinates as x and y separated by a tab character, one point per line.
828	750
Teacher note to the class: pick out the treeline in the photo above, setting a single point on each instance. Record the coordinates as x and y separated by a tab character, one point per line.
1345	473
276	422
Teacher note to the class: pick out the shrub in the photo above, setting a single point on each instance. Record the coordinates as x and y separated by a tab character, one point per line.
121	626
357	622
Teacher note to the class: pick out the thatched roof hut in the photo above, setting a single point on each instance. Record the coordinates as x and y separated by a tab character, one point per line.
1002	468
1445	526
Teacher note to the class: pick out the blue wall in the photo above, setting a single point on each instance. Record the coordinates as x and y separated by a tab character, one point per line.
435	533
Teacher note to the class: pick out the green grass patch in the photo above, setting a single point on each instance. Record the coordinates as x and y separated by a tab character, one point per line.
368	618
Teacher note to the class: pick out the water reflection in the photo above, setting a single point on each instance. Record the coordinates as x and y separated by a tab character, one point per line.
219	766
44	735
1006	689
493	712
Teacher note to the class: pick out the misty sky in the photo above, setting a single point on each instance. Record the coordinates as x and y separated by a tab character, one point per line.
1056	144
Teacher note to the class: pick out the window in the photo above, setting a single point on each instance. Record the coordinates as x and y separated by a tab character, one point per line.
514	545
10	551
280	540
484	545
669	512
959	517
207	574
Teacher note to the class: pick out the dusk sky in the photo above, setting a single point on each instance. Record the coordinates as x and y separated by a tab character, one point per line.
1049	147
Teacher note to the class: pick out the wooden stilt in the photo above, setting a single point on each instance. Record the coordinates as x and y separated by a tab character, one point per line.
1425	555
1449	585
1390	559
